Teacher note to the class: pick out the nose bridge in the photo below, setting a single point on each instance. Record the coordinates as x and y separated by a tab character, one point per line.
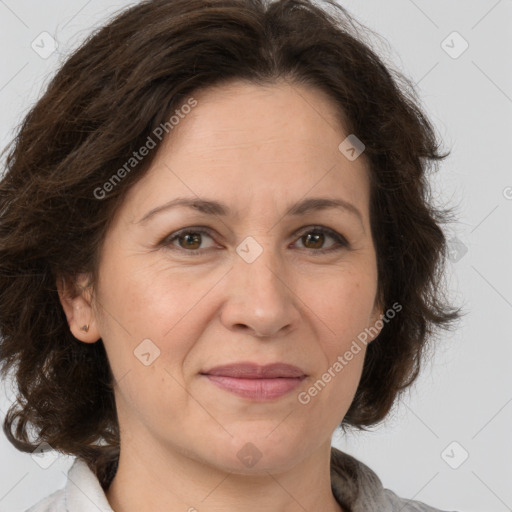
261	267
260	297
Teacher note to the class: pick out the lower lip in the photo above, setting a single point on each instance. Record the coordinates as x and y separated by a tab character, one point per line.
256	389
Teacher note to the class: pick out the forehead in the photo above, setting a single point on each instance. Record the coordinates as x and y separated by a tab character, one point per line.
283	116
246	143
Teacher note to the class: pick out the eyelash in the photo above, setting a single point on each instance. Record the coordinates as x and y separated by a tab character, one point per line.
341	240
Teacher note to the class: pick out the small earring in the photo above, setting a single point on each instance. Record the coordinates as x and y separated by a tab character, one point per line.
84	328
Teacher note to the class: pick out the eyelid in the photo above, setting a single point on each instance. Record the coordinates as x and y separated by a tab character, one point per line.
341	241
203	230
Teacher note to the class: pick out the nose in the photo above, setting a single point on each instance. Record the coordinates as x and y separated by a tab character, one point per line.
260	298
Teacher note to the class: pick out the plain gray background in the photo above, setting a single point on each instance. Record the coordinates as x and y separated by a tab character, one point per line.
461	405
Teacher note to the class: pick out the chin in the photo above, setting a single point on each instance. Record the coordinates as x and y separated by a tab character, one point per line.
249	454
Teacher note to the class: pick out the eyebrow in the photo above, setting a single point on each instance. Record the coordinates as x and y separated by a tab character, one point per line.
213	207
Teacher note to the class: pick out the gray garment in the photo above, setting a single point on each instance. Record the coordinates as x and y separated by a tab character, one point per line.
354	485
357	488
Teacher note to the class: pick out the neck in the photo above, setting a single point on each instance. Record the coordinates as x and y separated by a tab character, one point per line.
164	479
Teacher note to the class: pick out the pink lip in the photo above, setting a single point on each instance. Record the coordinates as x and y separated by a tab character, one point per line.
256	382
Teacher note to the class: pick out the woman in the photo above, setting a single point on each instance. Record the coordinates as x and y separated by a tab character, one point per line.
216	248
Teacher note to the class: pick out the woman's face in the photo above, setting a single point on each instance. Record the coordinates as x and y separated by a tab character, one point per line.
248	285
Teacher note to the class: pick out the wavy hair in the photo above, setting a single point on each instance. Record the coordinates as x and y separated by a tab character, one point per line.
108	96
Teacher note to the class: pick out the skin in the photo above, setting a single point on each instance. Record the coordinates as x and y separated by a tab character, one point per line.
258	150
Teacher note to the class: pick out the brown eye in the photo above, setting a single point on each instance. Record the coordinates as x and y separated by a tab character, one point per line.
315	238
188	240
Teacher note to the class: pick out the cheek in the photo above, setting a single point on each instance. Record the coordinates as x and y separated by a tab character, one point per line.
339	309
147	296
327	398
343	304
153	309
148	333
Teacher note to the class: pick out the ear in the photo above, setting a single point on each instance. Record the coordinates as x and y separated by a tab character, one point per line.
76	300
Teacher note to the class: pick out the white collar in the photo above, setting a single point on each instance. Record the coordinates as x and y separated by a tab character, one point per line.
83	491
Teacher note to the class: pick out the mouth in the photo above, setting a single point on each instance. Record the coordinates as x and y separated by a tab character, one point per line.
256	382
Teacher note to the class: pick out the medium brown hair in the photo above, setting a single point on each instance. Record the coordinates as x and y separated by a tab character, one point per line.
112	93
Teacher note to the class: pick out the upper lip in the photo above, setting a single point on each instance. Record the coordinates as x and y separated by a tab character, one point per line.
256	371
